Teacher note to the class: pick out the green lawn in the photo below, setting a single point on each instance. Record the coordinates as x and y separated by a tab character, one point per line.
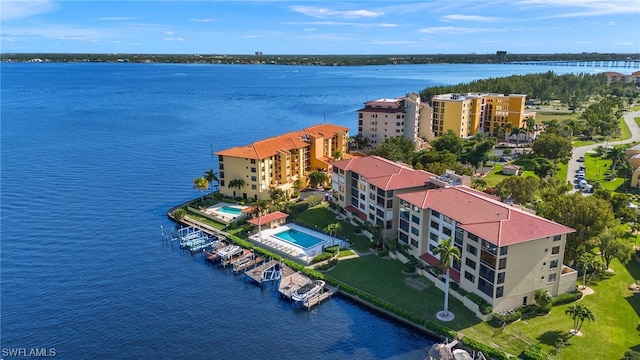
495	176
321	216
617	310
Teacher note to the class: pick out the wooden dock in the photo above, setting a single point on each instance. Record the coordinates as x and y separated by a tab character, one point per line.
238	267
269	271
292	282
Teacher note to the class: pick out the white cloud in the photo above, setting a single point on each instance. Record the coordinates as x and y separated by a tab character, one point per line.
342	23
311	29
21	9
454	30
584	8
58	32
470	18
623	43
173	39
322	13
393	42
169	32
202	20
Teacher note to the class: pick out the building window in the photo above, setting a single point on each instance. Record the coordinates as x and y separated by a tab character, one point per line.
487	273
414	243
472	249
470	263
253	178
446	231
499	291
253	161
472	237
254	187
415	219
502	263
557	238
435	225
404	225
433	236
253	169
222	183
503	250
552	277
500	278
553	264
403	237
555	250
221	166
415	231
486	287
435	214
388	225
469	276
221	174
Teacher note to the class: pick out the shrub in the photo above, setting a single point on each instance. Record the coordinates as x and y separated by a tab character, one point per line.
179	214
533	352
454	286
462	291
408	267
298	208
322	257
383	253
631	355
566	298
483	306
218	196
314	200
508	318
332	249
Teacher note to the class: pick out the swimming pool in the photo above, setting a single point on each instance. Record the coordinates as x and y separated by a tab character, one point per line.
231	210
298	238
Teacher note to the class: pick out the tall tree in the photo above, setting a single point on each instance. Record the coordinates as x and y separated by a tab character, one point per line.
508	128
579	313
521	189
237	184
586	261
589	216
612	244
617	155
211	176
332	229
449	141
201	184
448	253
318	178
552	146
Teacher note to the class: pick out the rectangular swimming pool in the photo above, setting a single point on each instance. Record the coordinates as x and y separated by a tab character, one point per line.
231	210
298	238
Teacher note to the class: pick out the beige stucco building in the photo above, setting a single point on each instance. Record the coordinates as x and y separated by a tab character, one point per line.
279	161
633	155
507	254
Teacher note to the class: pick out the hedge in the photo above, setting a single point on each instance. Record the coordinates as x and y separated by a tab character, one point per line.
483	306
321	257
566	298
533	352
487	350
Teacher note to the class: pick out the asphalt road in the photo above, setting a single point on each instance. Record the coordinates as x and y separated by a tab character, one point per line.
582	150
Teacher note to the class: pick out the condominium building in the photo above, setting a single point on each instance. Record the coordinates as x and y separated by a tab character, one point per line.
468	114
386	118
507	253
366	187
279	161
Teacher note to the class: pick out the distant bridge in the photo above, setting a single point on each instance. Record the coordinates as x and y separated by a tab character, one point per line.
629	64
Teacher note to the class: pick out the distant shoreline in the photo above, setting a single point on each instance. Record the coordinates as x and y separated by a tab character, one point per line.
322	60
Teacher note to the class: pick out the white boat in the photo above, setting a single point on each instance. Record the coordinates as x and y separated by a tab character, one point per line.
308	290
229	251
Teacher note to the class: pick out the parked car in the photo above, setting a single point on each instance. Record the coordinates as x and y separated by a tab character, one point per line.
581	159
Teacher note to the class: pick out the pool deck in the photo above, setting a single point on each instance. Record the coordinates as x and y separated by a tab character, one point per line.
222	216
267	238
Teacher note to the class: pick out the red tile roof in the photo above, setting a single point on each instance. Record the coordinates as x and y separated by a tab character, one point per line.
385	174
263	220
483	215
290	141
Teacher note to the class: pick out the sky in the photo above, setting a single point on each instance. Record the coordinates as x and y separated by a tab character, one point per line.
306	27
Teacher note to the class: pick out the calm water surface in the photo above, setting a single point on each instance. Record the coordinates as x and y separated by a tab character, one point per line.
92	157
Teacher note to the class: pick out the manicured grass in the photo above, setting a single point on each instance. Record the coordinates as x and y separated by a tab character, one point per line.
598	169
617	312
321	216
343	253
384	279
495	176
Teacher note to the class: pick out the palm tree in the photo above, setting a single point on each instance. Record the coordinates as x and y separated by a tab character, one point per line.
211	176
542	297
516	131
236	183
479	184
448	253
508	128
530	126
586	261
317	178
616	155
579	313
332	229
260	207
201	184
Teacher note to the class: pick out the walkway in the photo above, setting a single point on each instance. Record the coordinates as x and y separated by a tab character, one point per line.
573	164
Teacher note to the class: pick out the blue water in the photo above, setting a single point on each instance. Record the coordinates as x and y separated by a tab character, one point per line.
298	238
231	210
93	155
